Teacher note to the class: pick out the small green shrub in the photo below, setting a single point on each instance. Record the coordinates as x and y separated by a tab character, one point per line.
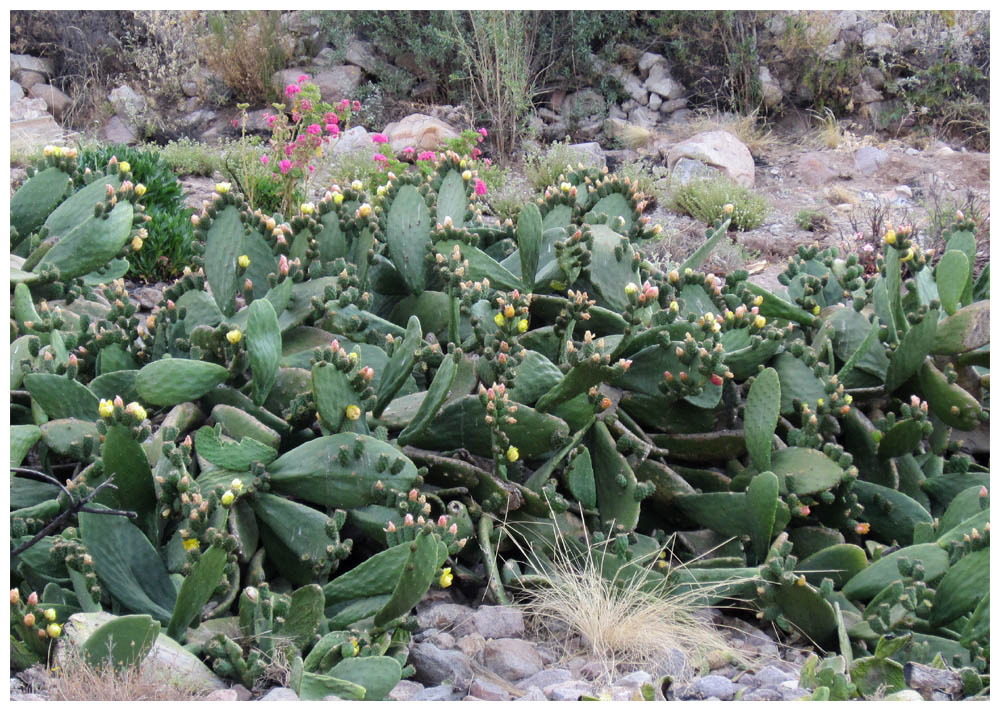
705	200
812	220
188	157
543	166
508	195
167	248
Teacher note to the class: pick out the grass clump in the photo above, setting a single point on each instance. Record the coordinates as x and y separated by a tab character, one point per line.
706	199
188	157
543	166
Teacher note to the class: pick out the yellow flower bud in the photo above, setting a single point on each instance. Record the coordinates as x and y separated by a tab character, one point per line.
357	185
816	310
140	189
234	336
124	167
190	544
222	188
522	325
760	322
106	408
631	288
236	485
134	408
50	615
499	320
890	237
466	175
243	260
338	198
49	151
307	208
228	498
136	243
53	630
508	311
728	208
446	577
512	454
365	210
352	412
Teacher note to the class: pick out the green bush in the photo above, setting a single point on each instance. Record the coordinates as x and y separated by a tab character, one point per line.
189	157
544	165
167	249
705	200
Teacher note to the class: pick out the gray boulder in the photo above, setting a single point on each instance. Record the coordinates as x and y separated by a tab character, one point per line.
497	620
719	149
584	104
648	60
129	104
434	665
660	81
880	37
512	659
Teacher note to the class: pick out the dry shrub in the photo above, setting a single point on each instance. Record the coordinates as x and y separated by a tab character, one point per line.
245	48
630	620
73	679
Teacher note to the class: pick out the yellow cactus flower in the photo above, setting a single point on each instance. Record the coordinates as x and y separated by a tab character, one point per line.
728	208
890	237
338	198
53	630
140	189
353	356
380	190
512	454
243	260
522	325
136	243
908	256
508	311
446	578
234	336
50	615
352	412
816	310
222	188
365	210
357	185
236	485
190	544
124	167
49	151
134	408
631	288
106	408
499	320
307	208
228	498
760	322
466	175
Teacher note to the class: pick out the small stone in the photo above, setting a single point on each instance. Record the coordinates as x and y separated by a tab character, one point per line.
928	680
513	659
546	677
444	640
222	695
711	685
444	692
869	159
472	644
434	665
488	691
772	676
636	679
405	690
532	694
654	102
648	59
447	616
242	693
763	694
568	690
493	621
592	670
280	693
56	101
148	297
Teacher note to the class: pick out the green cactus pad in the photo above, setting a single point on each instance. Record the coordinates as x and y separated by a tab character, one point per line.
615	481
127	640
64	435
805	471
408	232
873	579
196	590
966	329
952	276
949	401
125	460
529	241
760	417
313	471
90	244
264	347
233	456
839	562
418	572
37	198
912	350
962	586
378	675
797	382
61	397
431	402
171	381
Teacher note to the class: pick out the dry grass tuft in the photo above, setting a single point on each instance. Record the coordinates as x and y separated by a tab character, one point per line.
747	128
826	134
631	620
75	680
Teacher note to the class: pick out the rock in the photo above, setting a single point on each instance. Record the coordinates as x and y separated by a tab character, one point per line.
655	102
513	659
874	76
497	620
337	82
590	130
832	53
446	615
242	693
904	695
16	91
434	665
634	88
362	54
116	130
280	693
660	81
488	691
763	694
648	59
353	139
845	20
546	677
570	690
772	676
444	640
148	297
868	160
592	156
166	655
532	694
404	690
422	132
592	670
711	685
128	104
222	695
907	40
26	109
685	170
26	63
472	644
643	116
864	93
771	90
28	79
636	679
673	106
927	680
584	104
196	119
719	149
619	157
791	690
35	678
444	692
879	37
813	169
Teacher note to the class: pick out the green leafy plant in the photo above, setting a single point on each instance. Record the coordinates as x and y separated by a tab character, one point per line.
706	200
186	156
812	220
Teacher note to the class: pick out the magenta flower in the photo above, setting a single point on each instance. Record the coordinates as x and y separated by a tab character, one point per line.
356	105
288	149
488	162
285	166
307	105
314	130
296	116
312	169
333	129
345	104
476	152
379	158
483	133
291	90
265	160
409	150
379	138
302	78
426	155
332	117
480	187
271	118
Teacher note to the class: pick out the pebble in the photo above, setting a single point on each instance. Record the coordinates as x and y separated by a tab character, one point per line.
532	694
492	621
568	690
711	685
280	693
405	690
546	677
486	690
434	665
444	692
513	659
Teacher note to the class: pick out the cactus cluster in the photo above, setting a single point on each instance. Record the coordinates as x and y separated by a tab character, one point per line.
323	413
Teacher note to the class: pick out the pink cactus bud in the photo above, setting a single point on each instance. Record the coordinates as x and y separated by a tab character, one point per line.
283	265
33	598
412	496
118	401
453	529
391	528
408	520
442	521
